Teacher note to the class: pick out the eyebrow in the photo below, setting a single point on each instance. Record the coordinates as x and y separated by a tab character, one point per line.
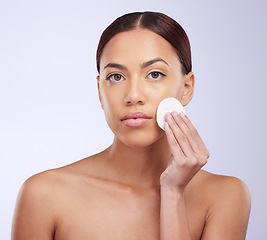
116	65
143	65
148	63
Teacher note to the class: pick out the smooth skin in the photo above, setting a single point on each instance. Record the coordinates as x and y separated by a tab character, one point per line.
148	184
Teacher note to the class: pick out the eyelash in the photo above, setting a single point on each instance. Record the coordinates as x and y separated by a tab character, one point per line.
160	74
114	74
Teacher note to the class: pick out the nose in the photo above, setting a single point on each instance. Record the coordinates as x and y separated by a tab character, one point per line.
134	94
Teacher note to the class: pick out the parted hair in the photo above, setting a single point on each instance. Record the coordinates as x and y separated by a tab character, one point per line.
156	22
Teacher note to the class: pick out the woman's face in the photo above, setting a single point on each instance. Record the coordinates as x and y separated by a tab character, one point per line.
138	69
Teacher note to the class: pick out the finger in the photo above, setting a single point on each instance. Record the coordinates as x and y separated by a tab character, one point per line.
191	133
180	137
174	145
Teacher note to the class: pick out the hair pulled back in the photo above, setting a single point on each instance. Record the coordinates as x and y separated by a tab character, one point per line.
158	23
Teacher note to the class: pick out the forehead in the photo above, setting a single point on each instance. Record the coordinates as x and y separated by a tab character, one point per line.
137	46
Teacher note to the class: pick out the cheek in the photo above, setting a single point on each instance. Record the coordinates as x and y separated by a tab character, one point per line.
176	89
177	93
108	98
111	103
170	89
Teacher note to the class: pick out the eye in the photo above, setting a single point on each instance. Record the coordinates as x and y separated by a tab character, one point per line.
156	75
115	77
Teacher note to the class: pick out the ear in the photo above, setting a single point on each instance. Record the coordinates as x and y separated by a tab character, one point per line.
188	91
99	95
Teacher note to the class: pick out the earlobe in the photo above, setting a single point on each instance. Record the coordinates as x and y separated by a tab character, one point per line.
98	88
188	92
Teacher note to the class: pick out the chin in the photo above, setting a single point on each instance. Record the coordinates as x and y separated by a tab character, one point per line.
141	139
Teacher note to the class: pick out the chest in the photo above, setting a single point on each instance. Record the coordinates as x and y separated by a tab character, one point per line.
108	215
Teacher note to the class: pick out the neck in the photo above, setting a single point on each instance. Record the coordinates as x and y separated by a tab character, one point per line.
137	166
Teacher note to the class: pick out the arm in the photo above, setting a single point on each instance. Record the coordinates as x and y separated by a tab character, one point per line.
33	216
229	214
188	155
173	217
229	206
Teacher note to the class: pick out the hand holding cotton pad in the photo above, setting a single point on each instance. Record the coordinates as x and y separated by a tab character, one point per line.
168	105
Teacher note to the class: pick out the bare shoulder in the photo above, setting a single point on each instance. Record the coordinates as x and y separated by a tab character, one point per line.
229	204
50	182
40	200
220	187
35	199
44	184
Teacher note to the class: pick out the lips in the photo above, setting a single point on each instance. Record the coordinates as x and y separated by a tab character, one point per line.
135	119
134	115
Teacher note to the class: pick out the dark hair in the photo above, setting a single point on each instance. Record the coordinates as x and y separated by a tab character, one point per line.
158	23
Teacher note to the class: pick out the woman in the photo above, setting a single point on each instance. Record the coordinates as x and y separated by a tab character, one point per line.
148	184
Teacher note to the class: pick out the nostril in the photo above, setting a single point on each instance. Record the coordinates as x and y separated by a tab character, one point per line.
132	101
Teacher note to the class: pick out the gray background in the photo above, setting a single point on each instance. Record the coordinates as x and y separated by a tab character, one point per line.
50	113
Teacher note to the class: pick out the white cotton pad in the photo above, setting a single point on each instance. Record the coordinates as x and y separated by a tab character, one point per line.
168	105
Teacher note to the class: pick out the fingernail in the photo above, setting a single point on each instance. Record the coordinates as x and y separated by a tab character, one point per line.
168	116
182	114
175	114
166	126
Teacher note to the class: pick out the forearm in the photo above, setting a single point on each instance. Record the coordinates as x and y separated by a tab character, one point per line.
173	217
